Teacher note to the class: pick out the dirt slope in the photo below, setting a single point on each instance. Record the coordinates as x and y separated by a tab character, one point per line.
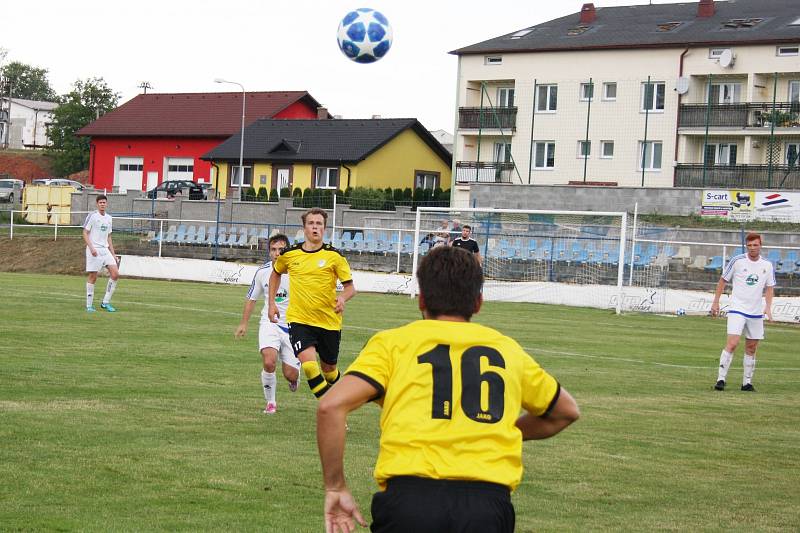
42	255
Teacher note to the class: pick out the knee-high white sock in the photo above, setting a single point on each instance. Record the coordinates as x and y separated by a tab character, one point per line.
749	364
89	294
725	359
268	382
109	290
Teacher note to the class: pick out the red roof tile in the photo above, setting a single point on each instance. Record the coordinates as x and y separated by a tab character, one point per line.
191	114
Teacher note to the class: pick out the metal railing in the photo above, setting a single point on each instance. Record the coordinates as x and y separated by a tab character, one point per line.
738	176
741	115
487	118
483	172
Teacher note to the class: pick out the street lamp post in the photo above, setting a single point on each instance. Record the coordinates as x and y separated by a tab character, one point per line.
241	140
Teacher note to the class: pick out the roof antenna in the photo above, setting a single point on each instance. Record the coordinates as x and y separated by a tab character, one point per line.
144	86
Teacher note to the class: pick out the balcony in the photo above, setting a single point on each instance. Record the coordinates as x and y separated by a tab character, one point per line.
483	172
499	118
738	176
744	115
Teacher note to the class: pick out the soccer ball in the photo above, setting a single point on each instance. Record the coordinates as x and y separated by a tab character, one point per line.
681	311
364	35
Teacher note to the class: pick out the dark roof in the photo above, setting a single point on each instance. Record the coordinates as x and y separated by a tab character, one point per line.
348	141
192	114
643	26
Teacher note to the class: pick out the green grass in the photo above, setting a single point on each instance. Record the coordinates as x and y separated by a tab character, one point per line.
149	419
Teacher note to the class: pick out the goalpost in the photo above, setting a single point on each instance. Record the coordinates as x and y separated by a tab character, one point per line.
541	256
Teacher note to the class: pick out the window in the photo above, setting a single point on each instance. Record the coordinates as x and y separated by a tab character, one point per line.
653	95
650	155
610	90
584	149
715	53
587	91
327	177
726	93
248	176
505	97
788	50
668	26
502	152
493	60
521	33
794	91
545	155
723	154
426	179
546	98
792	152
606	149
131	167
181	168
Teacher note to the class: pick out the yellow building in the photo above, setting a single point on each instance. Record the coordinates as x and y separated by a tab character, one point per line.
332	154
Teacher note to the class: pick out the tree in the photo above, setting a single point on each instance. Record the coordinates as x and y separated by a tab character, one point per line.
25	81
88	100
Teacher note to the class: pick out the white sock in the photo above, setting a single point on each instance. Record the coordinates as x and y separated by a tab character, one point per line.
749	364
89	294
109	291
725	359
268	382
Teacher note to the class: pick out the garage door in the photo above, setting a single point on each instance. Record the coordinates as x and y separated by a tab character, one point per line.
129	173
180	168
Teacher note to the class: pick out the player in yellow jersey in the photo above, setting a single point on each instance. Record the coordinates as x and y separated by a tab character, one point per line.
451	392
315	310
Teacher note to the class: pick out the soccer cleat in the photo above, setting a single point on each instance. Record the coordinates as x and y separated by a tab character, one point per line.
108	307
271	408
293	385
749	387
720	385
90	309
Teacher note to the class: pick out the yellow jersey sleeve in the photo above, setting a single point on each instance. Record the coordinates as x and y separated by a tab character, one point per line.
539	389
342	269
280	264
373	365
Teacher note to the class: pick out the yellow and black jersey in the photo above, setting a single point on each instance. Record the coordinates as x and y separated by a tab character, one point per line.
451	393
312	284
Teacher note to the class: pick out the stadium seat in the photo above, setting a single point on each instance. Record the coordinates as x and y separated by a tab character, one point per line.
241	242
200	236
774	257
714	263
786	267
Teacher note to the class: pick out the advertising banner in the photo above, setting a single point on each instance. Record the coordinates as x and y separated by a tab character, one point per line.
744	205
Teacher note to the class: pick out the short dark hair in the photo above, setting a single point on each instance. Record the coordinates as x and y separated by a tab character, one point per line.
450	281
315	211
278	237
752	236
101	197
466	226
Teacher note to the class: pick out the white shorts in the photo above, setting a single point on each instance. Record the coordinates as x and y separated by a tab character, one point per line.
103	259
270	335
753	328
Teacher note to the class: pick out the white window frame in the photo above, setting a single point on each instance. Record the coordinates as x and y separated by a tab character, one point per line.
789	146
587	88
505	97
247	181
658	86
649	156
492	60
502	152
603	145
722	153
785	51
422	177
549	89
588	152
549	153
733	90
794	84
327	178
606	86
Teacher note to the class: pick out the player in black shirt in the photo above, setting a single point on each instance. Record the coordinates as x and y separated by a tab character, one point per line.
468	243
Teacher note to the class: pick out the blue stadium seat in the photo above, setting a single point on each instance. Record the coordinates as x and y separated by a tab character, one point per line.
714	263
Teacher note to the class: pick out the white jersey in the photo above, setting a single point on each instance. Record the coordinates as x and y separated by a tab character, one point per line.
99	228
749	278
260	287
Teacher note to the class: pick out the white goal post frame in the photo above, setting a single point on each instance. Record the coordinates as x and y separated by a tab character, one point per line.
623	215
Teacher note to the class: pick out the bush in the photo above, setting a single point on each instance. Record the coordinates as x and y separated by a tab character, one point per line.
249	195
273	195
262	194
364	198
286	192
398	197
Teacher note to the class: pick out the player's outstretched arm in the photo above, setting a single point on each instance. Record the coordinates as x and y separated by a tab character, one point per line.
241	329
272	309
563	413
717	295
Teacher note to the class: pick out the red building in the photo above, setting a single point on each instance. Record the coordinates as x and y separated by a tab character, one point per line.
158	137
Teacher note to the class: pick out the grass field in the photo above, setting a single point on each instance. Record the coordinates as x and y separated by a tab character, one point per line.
149	419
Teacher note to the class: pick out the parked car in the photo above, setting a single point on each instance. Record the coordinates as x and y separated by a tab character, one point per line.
63	182
10	190
186	188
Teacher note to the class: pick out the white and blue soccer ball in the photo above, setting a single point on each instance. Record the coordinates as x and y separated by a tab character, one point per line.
364	35
681	311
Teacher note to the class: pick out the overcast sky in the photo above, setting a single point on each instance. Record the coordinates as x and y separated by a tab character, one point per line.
267	45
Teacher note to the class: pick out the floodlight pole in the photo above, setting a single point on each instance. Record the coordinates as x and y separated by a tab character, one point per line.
241	140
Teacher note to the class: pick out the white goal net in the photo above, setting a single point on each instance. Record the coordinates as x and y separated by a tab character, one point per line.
555	257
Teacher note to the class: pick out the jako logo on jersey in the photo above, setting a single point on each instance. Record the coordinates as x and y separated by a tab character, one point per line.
752	279
321	263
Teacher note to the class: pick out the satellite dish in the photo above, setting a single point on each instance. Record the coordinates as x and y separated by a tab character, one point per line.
726	58
682	85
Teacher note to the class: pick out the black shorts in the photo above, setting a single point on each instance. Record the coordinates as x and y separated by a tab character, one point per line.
426	505
326	341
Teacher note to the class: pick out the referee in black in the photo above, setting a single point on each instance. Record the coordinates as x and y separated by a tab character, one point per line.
468	243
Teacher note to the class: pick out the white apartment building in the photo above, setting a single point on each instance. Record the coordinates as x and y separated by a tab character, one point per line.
647	95
24	123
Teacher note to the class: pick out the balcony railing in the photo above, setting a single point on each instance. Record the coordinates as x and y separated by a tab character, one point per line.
744	115
483	172
738	176
473	118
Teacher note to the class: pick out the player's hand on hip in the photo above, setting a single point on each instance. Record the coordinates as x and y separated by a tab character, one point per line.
341	512
273	313
339	307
